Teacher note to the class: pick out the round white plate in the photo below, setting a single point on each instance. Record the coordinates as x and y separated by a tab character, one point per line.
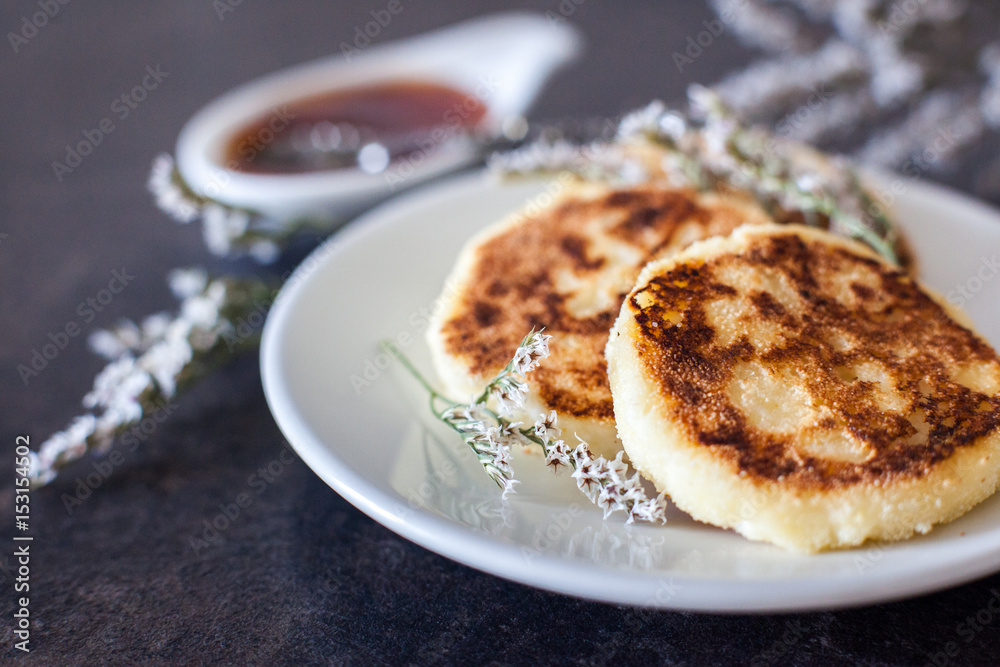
358	420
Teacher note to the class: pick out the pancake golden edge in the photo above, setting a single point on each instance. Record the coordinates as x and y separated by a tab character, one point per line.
759	412
565	262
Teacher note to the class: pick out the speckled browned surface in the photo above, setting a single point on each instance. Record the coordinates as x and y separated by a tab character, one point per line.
819	334
514	286
302	577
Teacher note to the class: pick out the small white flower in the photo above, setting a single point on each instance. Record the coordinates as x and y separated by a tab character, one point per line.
62	446
546	428
472	429
501	457
122	399
507	486
632	491
557	455
653	510
104	431
483	439
510	395
596	160
38	471
512	435
522	361
128	333
265	252
222	226
109	380
617	469
185	283
200	311
203	339
164	362
216	292
82	428
154	328
494	455
609	500
106	344
113	419
121	412
169	195
531	351
471	413
642	121
587	472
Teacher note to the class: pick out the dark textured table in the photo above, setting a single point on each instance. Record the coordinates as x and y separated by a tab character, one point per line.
301	576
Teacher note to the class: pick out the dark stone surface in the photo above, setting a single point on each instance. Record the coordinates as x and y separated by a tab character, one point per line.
300	576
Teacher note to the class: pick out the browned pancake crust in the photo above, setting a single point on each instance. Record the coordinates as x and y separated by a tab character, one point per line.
894	323
515	275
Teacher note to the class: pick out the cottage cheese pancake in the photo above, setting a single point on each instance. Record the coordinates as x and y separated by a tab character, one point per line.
791	385
566	267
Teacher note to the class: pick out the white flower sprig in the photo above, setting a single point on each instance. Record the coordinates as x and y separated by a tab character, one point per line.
226	229
711	147
594	161
491	436
150	363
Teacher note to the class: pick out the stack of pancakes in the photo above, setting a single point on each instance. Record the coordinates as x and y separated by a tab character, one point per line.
774	379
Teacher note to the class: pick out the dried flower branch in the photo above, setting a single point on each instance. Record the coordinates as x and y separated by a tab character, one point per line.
881	80
152	362
491	436
710	148
226	229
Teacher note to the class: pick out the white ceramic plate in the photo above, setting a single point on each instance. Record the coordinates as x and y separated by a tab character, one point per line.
362	424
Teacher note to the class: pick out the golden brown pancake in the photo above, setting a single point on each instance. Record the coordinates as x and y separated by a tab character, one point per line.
566	268
789	384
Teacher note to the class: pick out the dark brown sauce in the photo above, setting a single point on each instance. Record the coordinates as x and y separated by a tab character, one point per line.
326	131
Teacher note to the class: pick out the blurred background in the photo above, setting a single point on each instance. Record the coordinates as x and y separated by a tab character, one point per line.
878	81
911	85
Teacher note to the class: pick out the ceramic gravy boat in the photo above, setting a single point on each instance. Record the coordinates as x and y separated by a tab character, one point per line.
502	60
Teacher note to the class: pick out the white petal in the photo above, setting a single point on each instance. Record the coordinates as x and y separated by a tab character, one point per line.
185	283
